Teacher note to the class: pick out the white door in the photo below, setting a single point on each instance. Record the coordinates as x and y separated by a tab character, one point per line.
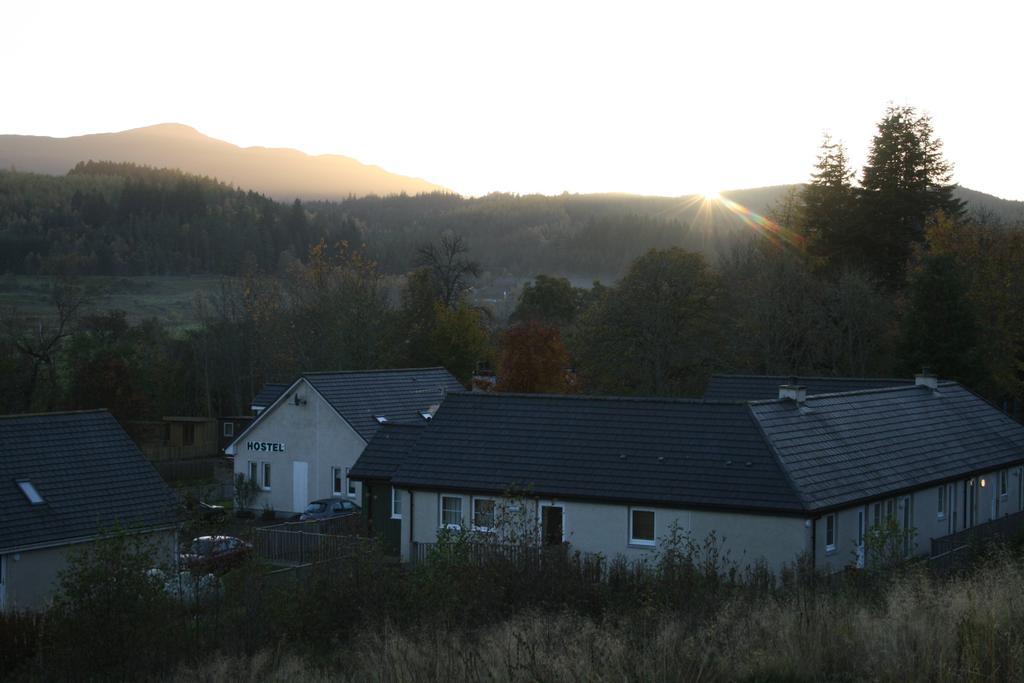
300	486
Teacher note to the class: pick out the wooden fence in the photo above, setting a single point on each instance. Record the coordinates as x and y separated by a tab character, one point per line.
296	543
955	551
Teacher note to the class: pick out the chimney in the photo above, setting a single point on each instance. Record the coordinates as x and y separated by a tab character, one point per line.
793	392
926	379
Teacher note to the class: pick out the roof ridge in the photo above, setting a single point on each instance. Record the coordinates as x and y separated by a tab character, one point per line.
824	377
796	490
854	392
366	372
11	416
599	397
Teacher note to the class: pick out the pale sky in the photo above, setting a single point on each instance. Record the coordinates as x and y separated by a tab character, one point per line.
652	98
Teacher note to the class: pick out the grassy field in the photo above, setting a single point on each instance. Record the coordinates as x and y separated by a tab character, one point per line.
916	629
169	298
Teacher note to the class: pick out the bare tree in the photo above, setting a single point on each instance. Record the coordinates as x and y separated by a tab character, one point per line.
40	342
449	267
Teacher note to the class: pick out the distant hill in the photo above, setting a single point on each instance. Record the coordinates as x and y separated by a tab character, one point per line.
978	203
281	173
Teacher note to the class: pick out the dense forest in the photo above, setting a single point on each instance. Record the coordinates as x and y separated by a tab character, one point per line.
106	218
120	219
874	273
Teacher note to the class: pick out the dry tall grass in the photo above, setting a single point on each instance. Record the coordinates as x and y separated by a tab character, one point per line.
919	629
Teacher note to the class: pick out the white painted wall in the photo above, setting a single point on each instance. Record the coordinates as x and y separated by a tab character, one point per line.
604	528
925	517
312	432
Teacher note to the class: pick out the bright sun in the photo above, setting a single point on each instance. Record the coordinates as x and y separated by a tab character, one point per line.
711	195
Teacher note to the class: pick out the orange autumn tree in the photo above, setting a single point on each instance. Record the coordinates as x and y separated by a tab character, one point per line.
533	360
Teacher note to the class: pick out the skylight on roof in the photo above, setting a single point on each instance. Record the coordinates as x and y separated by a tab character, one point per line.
30	492
380	419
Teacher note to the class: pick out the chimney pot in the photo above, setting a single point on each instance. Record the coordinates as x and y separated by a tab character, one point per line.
793	392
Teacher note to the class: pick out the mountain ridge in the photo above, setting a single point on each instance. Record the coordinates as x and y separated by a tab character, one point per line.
280	172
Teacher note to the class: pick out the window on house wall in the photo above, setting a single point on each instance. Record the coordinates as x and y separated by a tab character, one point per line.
860	527
337	481
907	505
188	434
451	512
396	503
483	514
252	471
229	429
952	507
266	476
351	484
941	493
1020	488
890	509
830	533
877	519
641	526
1004	482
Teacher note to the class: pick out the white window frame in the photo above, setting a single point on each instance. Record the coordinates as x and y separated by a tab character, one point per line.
830	544
440	511
396	499
337	478
350	486
643	542
1004	483
941	514
228	429
254	472
264	471
494	514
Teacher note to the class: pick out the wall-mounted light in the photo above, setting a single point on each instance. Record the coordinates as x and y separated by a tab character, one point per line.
982	483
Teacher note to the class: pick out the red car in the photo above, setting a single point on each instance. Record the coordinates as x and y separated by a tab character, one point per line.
215	553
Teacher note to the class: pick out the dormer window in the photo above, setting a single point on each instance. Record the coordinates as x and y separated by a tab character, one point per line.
30	492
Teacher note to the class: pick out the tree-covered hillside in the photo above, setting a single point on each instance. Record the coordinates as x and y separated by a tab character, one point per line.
106	218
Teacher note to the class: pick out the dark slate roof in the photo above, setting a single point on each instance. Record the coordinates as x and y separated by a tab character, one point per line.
398	395
654	451
267	395
764	387
89	473
842	448
386	451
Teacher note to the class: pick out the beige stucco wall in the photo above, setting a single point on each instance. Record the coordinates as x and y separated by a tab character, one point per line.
604	528
32	576
313	433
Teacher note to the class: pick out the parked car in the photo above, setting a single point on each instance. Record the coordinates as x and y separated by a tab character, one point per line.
215	553
328	507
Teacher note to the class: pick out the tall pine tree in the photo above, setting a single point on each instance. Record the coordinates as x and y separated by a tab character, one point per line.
828	216
906	179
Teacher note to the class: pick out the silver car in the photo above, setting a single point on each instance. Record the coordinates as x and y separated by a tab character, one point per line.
329	507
